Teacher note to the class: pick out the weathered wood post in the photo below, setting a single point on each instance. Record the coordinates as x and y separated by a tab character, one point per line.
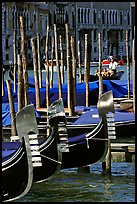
52	58
61	59
24	61
133	70
47	68
12	110
100	65
128	63
86	71
39	60
47	75
3	81
20	84
57	62
15	59
37	93
73	51
69	74
106	165
79	61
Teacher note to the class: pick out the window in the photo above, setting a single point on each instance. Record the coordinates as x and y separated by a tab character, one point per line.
107	18
85	14
7	56
7	43
94	16
81	15
120	17
103	17
116	17
95	49
78	15
95	35
88	15
128	18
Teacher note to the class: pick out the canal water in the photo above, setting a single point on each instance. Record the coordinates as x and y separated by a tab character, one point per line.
71	185
92	71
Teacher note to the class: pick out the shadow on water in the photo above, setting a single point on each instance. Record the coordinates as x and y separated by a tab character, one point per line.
72	186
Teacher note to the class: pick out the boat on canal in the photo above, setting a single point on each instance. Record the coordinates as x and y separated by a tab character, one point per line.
95	77
17	161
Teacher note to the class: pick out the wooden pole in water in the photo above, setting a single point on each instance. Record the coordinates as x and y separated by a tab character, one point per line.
24	61
86	70
73	51
100	65
15	59
69	74
133	70
57	62
37	93
79	61
128	64
47	69
106	165
12	110
62	61
39	60
20	84
52	58
3	81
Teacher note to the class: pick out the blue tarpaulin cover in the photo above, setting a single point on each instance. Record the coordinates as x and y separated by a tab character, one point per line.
118	87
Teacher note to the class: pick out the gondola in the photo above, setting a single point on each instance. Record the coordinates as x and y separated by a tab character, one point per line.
17	162
50	147
93	77
91	146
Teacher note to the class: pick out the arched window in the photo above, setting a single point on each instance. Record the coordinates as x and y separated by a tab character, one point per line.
113	17
88	15
110	17
107	18
103	17
128	18
85	15
116	17
120	16
79	15
94	16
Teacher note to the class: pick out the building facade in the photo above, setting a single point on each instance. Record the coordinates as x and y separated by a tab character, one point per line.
112	19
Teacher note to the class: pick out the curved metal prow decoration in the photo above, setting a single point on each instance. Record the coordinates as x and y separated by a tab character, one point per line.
56	109
105	104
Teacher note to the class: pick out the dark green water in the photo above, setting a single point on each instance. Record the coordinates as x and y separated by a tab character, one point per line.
94	186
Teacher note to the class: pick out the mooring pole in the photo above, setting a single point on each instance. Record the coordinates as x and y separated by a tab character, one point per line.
100	65
37	93
79	61
72	40
128	64
133	70
20	84
12	110
69	74
86	74
57	62
15	59
39	60
52	58
24	61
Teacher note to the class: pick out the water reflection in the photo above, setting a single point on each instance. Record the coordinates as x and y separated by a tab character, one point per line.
72	186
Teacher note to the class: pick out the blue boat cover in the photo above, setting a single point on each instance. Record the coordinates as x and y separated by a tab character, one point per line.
6	117
92	117
118	87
